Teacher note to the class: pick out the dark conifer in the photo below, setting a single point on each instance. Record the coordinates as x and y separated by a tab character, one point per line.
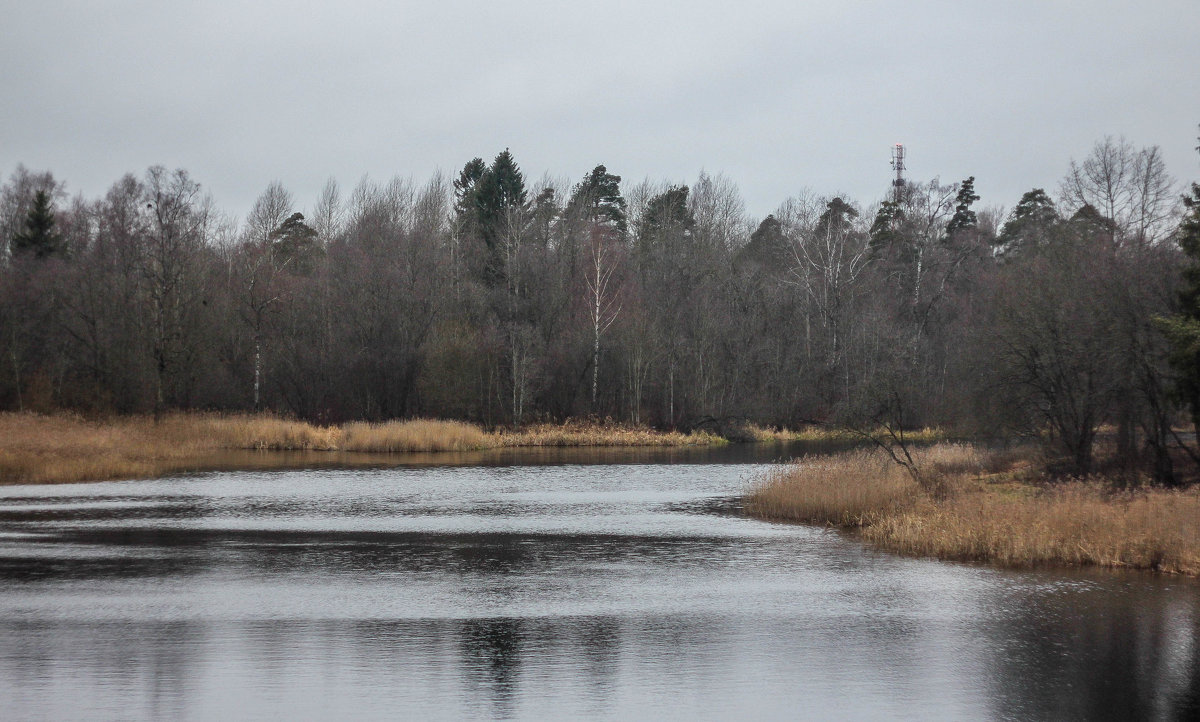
964	218
38	235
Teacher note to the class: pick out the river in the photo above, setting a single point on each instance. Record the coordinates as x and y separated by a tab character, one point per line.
494	587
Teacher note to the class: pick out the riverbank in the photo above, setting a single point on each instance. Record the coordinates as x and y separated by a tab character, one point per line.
61	448
839	434
986	506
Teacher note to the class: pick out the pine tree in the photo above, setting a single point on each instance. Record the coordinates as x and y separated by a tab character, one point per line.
964	218
598	198
38	235
768	246
294	243
1033	224
885	230
836	218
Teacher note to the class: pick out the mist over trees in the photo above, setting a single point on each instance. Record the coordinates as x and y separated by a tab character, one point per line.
497	299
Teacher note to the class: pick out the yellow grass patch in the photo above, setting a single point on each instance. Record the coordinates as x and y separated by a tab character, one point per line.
986	517
926	435
65	448
417	435
578	433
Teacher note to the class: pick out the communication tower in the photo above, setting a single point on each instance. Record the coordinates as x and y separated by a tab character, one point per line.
898	166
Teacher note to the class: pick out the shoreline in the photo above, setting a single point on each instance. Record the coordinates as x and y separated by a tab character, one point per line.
980	506
65	448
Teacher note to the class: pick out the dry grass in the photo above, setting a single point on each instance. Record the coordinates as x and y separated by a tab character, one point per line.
926	435
66	448
580	433
988	516
260	432
847	489
417	435
1077	523
39	449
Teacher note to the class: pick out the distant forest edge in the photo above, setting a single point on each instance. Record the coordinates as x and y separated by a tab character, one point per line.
490	299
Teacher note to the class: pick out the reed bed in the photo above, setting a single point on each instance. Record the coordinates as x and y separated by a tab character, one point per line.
260	432
848	489
413	436
985	516
1078	523
927	435
64	448
582	433
67	448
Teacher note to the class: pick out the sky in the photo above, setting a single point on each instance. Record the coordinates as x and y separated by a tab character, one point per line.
779	97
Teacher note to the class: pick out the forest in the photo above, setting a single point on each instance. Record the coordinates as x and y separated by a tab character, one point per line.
1073	316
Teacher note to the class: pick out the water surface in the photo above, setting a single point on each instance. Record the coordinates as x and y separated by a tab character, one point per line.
564	589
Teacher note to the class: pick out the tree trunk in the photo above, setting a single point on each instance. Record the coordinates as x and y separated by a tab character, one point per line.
257	370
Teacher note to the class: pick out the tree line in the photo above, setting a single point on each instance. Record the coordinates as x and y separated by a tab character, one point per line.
490	298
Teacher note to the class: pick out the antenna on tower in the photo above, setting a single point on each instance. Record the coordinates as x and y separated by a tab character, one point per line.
898	166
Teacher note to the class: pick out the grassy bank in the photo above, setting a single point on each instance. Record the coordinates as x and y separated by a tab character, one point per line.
990	507
66	448
838	434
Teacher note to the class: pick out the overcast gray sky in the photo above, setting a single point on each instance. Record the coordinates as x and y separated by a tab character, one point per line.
778	96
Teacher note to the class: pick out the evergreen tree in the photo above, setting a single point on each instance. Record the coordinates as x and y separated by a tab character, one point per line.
466	195
1088	224
885	230
544	213
499	191
294	243
836	218
964	218
598	198
768	246
1033	224
1183	329
665	213
489	200
38	235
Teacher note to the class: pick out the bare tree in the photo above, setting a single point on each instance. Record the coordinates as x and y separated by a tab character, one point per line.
828	262
716	204
175	230
328	213
603	288
270	210
1127	186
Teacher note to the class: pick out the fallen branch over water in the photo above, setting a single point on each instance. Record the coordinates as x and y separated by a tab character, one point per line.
986	513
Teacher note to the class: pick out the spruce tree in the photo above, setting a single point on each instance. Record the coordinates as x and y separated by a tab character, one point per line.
466	195
38	236
1183	329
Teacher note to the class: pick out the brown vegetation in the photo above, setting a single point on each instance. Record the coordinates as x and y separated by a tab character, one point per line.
38	448
416	435
814	433
1005	518
583	433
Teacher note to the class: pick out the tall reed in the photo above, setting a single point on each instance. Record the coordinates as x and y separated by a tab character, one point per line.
64	447
985	517
417	435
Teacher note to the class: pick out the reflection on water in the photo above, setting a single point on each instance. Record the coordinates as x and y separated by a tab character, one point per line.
568	590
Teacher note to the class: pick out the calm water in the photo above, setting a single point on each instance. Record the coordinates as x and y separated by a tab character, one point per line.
630	590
